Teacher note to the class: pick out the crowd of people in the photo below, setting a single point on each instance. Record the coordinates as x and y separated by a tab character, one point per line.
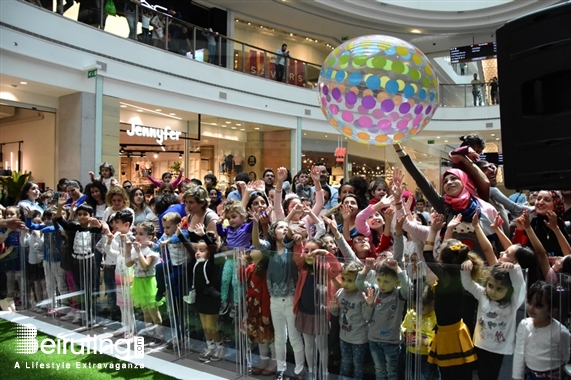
336	271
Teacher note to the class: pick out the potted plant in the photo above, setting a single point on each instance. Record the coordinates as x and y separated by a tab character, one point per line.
11	186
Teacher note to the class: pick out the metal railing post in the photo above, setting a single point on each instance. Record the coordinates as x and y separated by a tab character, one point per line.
243	58
266	65
166	33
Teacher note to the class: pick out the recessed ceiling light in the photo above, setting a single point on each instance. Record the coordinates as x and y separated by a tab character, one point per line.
242	129
257	128
261	26
23	82
233	127
445	140
172	113
325	135
158	109
139	110
304	133
239	125
228	122
437	137
249	24
223	126
291	34
497	139
415	31
123	106
493	135
237	20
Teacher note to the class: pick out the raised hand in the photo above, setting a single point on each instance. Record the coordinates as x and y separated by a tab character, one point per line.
330	222
437	223
315	174
473	155
392	263
369	296
399	224
389	215
551	221
282	174
496	224
467	266
455	221
385	201
62	198
507	265
345	211
369	263
199	229
408	205
254	216
476	218
526	220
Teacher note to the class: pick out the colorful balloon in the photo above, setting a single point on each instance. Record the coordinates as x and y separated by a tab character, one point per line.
378	90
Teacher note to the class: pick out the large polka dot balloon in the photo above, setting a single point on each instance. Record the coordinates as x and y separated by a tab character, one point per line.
378	90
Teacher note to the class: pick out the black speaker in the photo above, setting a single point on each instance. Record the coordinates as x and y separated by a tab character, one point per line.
534	72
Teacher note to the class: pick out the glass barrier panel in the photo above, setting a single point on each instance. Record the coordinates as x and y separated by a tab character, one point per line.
295	72
255	60
311	75
454	95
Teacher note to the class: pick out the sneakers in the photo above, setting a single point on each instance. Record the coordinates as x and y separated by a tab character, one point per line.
7	304
70	316
280	375
206	354
219	353
77	318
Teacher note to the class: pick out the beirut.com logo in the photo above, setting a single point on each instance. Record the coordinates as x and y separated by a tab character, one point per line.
27	343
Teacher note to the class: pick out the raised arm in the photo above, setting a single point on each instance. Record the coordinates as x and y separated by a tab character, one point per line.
553	225
422	182
540	252
178	179
504	240
278	206
428	251
487	248
481	182
319	201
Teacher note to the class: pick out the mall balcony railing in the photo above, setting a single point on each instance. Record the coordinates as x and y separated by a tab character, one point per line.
153	25
462	95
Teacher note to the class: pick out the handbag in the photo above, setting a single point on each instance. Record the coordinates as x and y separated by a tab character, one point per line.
160	33
110	8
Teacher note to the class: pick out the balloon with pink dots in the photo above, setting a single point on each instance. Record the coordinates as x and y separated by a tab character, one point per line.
378	90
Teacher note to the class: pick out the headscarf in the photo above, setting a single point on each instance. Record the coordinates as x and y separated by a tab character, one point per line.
462	201
558	206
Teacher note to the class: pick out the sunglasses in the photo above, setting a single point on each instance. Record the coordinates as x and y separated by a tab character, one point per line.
360	240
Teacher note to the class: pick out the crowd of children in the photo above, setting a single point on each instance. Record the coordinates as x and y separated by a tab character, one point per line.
363	287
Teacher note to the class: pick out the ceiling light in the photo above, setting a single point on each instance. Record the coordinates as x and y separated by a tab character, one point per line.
155	155
415	31
291	34
261	26
237	20
316	41
123	106
239	125
445	140
325	135
223	126
23	82
122	150
180	155
437	137
242	129
497	139
139	110
233	127
158	109
172	113
304	133
493	135
257	128
249	24
228	122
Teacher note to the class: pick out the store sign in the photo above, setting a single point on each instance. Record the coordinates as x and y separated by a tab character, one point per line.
159	134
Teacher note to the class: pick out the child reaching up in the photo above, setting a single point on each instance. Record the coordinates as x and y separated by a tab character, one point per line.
350	306
385	306
312	273
498	300
106	173
542	343
238	234
143	260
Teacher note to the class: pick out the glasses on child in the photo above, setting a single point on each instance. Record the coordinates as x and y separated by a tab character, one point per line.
360	240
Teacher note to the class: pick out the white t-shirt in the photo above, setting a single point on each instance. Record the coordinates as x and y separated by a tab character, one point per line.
495	324
540	348
139	271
